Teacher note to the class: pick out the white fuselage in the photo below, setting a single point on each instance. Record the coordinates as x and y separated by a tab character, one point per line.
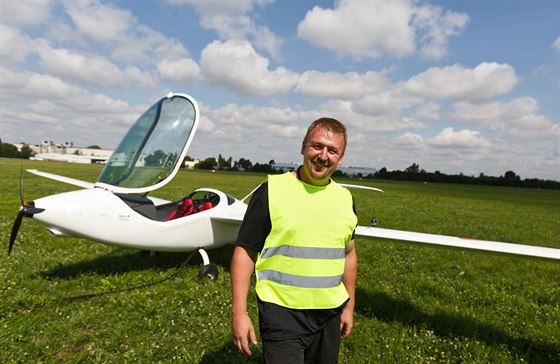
100	215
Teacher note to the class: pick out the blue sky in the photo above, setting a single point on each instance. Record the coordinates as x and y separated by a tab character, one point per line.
456	86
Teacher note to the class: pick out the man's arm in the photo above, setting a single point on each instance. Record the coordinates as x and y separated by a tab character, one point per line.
349	281
242	266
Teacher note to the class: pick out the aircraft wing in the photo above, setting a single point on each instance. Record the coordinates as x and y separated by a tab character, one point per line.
56	177
461	243
360	187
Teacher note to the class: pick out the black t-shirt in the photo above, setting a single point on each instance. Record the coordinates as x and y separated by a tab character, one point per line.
277	322
256	224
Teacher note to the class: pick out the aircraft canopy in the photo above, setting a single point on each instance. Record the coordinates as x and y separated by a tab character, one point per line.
152	151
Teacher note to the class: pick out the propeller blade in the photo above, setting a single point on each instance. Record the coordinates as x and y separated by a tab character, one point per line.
21	186
15	230
26	209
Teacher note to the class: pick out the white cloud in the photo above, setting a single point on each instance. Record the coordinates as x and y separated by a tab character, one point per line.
234	123
434	27
31	101
428	110
14	46
410	140
25	13
33	85
99	21
484	82
210	8
382	122
183	70
548	132
230	20
361	29
119	32
344	86
385	102
556	44
381	28
448	138
267	41
237	66
244	28
521	114
36	87
90	69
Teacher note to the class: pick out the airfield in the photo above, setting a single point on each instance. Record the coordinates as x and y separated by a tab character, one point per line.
73	300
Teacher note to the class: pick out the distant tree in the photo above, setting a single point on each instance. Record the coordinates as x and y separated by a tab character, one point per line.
208	163
413	169
94	146
223	163
26	151
382	173
262	168
8	150
244	164
156	158
510	175
511	179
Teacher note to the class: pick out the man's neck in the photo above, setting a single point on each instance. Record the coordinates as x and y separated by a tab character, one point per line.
303	176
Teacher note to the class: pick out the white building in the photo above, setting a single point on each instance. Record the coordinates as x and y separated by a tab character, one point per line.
350	171
47	150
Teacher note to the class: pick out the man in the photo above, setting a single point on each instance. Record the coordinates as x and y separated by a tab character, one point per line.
297	235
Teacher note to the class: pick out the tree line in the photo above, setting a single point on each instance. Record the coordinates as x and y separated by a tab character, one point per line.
510	178
411	173
229	164
11	151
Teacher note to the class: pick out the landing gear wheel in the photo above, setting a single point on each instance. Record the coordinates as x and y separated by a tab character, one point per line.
208	271
148	254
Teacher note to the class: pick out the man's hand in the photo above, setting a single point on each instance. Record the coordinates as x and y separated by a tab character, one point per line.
242	266
349	280
243	331
346	323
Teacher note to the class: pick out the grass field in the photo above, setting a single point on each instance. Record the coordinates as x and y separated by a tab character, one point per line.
414	304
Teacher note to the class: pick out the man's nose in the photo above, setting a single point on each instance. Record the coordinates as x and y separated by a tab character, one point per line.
324	154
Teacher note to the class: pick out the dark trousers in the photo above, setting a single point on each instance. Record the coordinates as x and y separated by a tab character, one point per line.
321	347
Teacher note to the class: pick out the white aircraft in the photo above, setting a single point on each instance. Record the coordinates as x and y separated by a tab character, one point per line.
117	209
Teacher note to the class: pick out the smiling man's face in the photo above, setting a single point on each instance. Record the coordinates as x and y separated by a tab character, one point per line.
322	153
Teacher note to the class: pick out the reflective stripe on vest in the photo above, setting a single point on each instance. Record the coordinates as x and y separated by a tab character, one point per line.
303	252
299	281
302	262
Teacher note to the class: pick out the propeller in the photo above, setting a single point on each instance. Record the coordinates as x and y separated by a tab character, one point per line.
27	209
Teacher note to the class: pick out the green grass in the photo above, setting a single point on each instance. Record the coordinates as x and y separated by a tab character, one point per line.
415	304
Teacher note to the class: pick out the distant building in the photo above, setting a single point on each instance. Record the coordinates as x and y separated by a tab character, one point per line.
285	166
47	150
190	164
358	171
350	171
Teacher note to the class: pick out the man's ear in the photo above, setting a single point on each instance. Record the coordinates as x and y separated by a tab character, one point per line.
340	160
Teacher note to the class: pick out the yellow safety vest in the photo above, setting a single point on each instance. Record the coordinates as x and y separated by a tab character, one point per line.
302	261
